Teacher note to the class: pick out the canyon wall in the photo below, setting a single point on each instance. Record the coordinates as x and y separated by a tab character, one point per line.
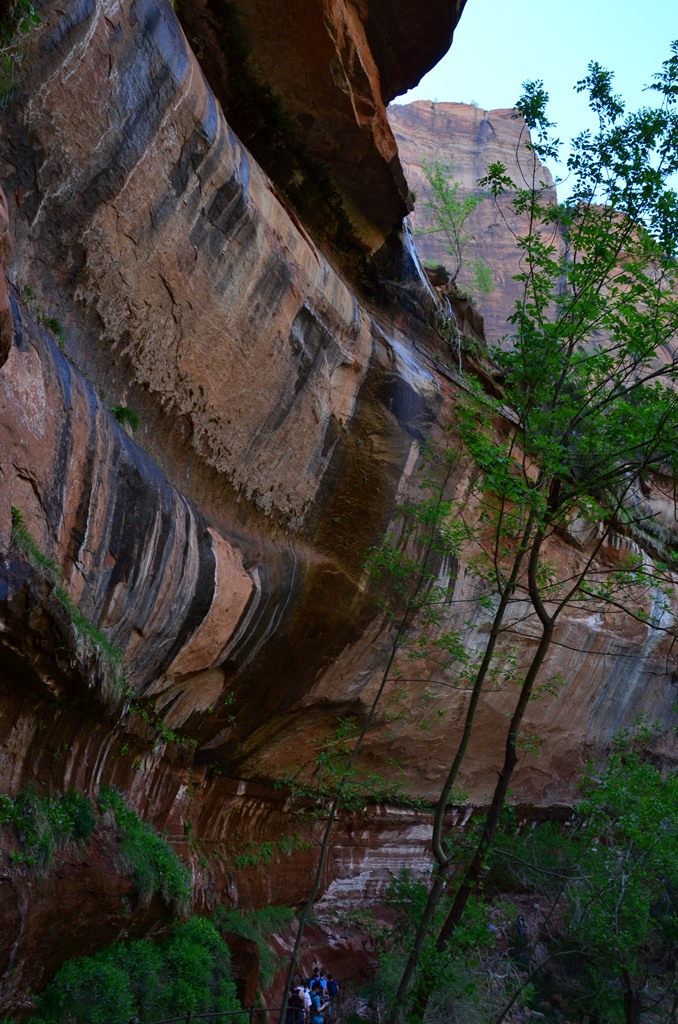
283	369
466	140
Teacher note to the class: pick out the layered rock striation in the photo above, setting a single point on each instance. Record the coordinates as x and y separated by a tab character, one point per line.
184	609
307	87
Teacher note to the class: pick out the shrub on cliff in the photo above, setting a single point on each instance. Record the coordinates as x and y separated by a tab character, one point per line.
156	867
187	972
44	824
257	925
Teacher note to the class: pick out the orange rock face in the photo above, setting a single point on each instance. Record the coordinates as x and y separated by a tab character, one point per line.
467	140
221	548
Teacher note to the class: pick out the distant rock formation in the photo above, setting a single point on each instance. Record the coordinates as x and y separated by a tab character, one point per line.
468	140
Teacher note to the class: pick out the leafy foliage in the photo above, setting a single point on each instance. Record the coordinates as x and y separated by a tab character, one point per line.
588	409
607	881
43	824
621	897
187	972
20	17
253	852
450	212
156	867
257	925
164	732
26	543
126	416
86	630
30	296
461	989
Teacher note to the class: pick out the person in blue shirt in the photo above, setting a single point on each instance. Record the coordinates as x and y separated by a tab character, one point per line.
319	1003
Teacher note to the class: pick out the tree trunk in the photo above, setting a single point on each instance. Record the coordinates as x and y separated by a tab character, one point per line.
397	1013
335	807
471	877
632	1000
443	862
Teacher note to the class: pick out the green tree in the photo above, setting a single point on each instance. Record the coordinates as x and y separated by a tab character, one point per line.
620	898
604	881
608	878
464	980
188	971
449	210
588	411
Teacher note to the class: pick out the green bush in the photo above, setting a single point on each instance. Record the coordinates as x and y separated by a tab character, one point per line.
189	971
258	925
19	18
93	990
43	824
156	867
198	970
126	416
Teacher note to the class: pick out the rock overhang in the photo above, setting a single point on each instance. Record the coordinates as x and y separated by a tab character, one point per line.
306	87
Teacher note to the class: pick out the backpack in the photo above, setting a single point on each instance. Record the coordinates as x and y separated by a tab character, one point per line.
332	988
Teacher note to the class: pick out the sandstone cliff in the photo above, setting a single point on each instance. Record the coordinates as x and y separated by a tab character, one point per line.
281	393
467	140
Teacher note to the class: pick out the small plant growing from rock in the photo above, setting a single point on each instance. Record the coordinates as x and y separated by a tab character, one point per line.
126	417
51	323
44	824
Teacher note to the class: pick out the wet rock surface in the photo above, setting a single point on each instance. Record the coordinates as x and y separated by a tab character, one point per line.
220	546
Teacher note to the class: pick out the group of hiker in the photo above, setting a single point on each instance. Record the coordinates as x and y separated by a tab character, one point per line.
312	1000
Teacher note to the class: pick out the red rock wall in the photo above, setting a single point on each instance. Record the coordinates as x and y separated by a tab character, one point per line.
221	548
467	139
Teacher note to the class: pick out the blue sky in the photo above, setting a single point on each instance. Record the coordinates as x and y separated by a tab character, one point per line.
499	44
